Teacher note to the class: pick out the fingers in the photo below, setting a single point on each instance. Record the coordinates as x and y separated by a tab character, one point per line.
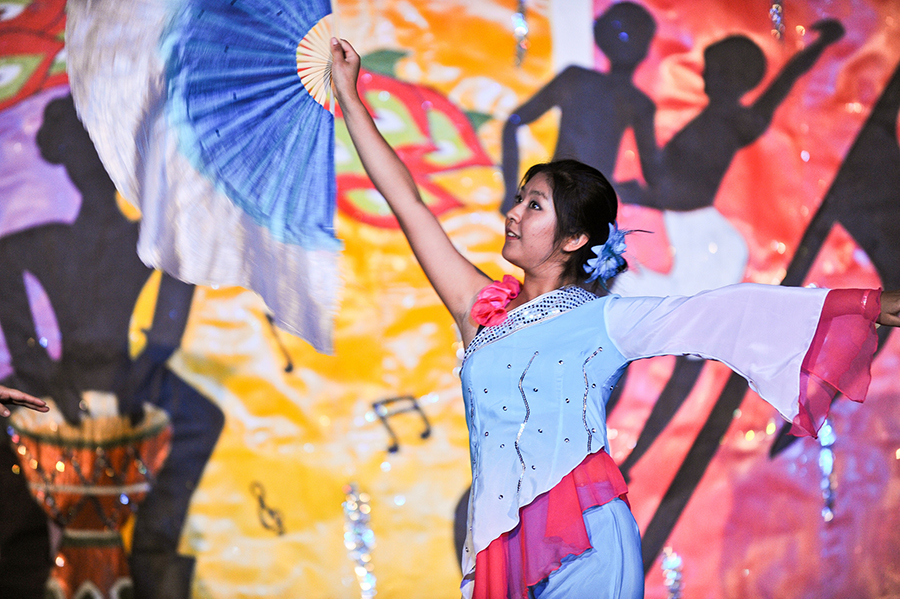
16	397
344	70
337	50
9	394
341	49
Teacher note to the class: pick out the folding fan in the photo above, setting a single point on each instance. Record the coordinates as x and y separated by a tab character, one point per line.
211	116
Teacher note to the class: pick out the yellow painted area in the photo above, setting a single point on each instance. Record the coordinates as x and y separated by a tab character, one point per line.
142	317
126	207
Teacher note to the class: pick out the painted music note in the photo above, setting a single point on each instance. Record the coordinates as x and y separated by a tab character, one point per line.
399	405
289	363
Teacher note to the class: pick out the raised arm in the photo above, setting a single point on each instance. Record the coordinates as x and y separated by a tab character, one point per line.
829	31
456	280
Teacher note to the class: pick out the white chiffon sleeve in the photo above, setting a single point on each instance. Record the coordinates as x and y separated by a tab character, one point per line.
762	332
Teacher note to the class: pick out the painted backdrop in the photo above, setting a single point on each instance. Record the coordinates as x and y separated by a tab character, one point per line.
747	157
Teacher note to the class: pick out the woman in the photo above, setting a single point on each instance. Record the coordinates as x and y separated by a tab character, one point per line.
548	516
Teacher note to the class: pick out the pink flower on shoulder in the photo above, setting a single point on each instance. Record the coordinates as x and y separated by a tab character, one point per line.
489	308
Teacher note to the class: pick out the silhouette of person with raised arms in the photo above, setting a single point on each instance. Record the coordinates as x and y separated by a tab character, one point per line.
596	108
708	251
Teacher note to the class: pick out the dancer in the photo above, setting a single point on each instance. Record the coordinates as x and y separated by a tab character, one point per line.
548	515
17	398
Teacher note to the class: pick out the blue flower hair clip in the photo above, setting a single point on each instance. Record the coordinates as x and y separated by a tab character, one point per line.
609	261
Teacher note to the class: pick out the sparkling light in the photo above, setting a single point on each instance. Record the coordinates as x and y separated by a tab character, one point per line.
359	538
671	566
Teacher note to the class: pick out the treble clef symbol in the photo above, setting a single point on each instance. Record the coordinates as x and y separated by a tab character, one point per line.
270	518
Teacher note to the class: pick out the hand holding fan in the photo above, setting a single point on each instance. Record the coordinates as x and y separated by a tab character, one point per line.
211	115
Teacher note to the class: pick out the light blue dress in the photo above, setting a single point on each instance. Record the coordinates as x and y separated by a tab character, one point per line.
536	386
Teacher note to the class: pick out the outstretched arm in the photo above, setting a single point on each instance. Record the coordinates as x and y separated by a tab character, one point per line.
456	280
538	104
17	398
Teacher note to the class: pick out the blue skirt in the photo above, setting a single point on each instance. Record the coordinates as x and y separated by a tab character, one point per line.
611	569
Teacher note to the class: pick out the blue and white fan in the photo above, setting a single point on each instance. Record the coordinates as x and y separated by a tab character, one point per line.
213	117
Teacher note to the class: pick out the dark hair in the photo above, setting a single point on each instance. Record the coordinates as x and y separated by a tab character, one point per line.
584	202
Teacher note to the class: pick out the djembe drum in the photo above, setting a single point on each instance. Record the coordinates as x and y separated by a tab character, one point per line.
89	479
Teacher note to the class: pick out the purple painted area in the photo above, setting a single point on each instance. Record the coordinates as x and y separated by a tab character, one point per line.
45	325
6	368
33	191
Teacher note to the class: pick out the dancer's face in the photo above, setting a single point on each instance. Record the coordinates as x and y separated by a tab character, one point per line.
531	227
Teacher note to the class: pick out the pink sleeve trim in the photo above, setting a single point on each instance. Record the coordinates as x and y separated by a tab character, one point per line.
840	356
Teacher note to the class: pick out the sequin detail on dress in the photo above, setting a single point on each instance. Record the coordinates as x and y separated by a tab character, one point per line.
586	393
524	422
540	308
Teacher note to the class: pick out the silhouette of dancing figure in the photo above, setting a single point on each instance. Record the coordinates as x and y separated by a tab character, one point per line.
92	276
708	251
596	108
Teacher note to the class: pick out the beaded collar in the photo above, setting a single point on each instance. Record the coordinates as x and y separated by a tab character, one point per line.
552	303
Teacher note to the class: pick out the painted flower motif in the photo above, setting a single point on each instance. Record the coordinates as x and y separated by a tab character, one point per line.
489	308
609	261
432	135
